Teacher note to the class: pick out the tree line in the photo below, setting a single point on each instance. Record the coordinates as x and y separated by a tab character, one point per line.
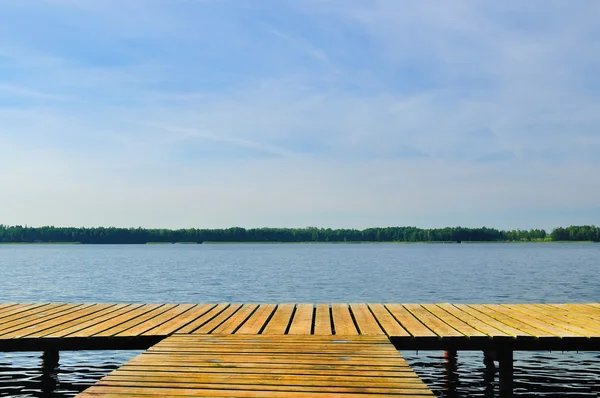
112	235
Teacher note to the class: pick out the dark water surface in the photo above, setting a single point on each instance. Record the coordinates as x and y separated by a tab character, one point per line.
468	273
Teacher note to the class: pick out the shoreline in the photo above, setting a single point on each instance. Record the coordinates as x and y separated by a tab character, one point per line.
302	243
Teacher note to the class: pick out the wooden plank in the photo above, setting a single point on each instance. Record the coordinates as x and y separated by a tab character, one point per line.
408	321
11	313
284	338
150	323
6	306
571	310
217	320
71	330
323	320
244	378
397	372
113	322
21	314
114	392
257	320
432	322
205	318
226	348
533	312
280	320
342	320
237	320
264	387
38	318
525	318
510	321
44	328
581	309
390	326
179	321
262	382
253	366
302	322
454	322
367	324
581	321
512	331
476	323
123	328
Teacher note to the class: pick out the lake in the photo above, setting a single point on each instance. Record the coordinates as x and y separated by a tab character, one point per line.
423	273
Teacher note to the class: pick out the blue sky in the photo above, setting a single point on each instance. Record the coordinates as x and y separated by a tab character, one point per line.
341	113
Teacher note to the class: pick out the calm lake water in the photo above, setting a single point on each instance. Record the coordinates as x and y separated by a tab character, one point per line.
468	273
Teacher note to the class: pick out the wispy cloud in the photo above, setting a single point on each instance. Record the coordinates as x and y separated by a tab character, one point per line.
293	113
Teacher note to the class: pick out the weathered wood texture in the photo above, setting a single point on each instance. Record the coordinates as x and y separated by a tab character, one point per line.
418	326
265	366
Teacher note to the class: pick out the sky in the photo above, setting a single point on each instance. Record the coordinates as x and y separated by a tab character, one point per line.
295	113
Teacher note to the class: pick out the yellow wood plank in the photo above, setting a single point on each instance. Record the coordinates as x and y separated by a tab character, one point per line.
78	326
13	312
390	326
159	319
310	350
489	329
85	313
119	392
284	338
572	318
6	306
244	378
238	319
432	322
179	321
217	320
564	323
580	309
510	321
280	320
32	324
118	330
342	320
303	319
205	318
112	322
409	322
263	387
257	321
454	322
21	314
367	324
323	320
397	372
525	318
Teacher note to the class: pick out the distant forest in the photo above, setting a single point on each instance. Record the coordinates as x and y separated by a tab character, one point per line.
101	235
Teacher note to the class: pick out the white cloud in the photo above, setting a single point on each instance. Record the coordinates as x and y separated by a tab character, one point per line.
464	111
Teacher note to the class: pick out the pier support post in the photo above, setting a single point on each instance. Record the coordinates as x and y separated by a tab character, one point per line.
489	356
505	358
450	357
50	360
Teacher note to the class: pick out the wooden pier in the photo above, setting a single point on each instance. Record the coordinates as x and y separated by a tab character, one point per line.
267	350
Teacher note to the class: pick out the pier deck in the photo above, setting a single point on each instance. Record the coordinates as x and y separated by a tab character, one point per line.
265	366
197	334
62	326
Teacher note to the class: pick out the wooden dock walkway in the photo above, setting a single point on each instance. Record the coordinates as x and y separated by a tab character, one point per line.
265	366
260	330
